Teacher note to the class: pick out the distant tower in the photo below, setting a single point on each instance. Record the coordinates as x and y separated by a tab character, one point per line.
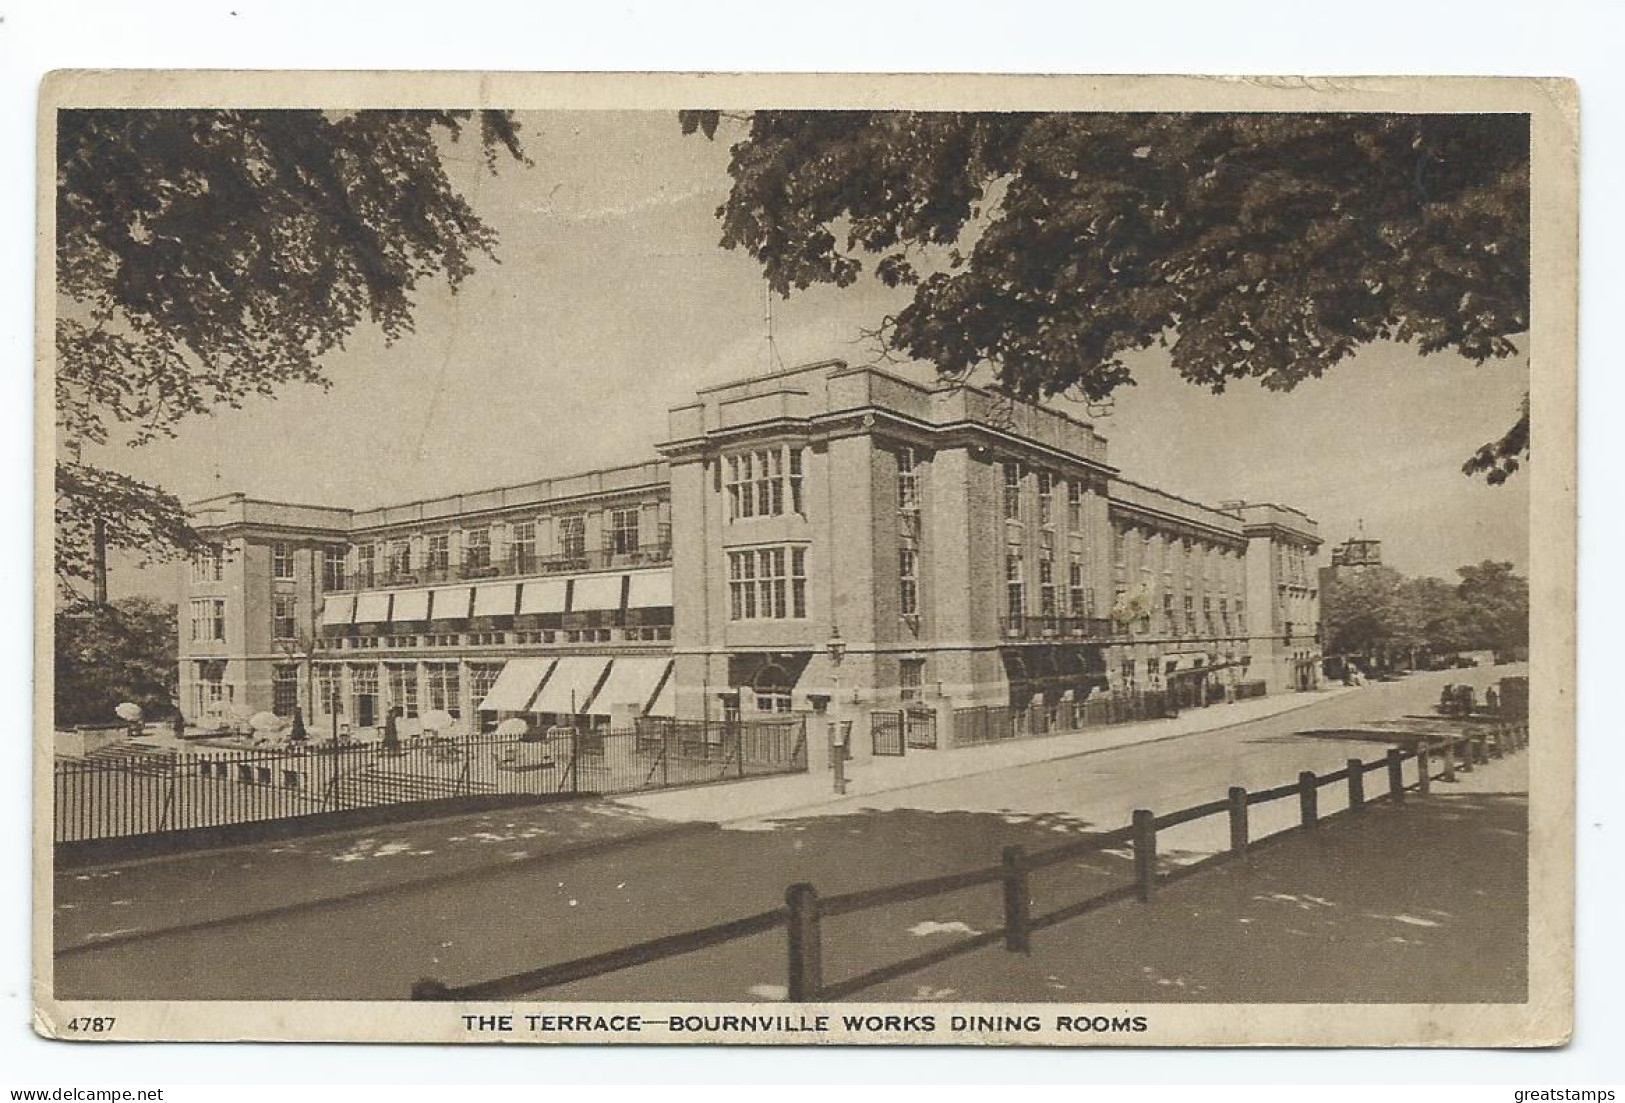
1357	552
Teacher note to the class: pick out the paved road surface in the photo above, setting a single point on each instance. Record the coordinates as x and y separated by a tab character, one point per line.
514	918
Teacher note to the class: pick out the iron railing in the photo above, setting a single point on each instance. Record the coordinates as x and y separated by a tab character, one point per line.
513	565
1041	627
130	790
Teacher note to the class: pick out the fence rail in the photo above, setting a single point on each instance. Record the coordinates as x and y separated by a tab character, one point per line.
804	909
129	790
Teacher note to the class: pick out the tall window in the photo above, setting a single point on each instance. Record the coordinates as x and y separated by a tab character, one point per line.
1012	491
908	574
908	482
524	547
1120	551
910	679
332	568
284	689
1190	615
211	693
365	556
1046	499
1015	599
400	558
1077	595
477	548
1170	626
1207	616
329	690
1074	506
573	536
1224	614
209	620
1241	615
207	564
403	687
481	677
281	560
283	624
444	687
756	482
439	553
767	583
1046	584
623	531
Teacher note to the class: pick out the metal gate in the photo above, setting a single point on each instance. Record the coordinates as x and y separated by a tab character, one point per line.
920	729
886	730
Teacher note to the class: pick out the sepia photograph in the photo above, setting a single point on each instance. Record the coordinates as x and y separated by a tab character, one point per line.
791	560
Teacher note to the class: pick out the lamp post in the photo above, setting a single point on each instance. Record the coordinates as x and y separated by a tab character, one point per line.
837	732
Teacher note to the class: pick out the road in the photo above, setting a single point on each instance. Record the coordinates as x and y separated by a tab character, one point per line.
508	919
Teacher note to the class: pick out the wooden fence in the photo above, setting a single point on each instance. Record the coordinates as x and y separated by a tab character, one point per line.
804	909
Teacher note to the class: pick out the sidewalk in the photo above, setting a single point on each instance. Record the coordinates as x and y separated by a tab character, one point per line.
739	802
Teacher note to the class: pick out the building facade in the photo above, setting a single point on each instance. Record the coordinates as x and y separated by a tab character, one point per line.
822	539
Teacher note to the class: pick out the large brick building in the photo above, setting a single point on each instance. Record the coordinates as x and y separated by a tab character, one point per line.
963	549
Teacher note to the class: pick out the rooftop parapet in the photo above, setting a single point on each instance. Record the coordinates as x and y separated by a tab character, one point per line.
1123	493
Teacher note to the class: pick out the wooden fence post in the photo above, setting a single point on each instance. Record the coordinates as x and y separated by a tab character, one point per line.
1449	756
1466	754
1424	764
806	947
1145	853
1308	800
1480	752
1017	901
1499	750
1238	820
1356	785
1396	775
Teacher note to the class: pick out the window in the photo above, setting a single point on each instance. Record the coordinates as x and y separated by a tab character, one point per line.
444	687
1046	499
211	694
573	536
363	684
1170	626
908	574
524	546
332	568
910	679
1046	584
1012	491
329	690
439	554
1190	615
767	583
1120	551
364	563
403	688
1207	616
1013	587
209	620
284	689
756	481
281	561
1077	595
908	482
283	625
477	549
481	677
400	558
623	531
207	564
1224	614
1074	506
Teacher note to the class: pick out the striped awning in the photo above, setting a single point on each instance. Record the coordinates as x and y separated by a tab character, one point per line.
597	592
410	605
543	595
633	682
338	609
372	607
649	589
496	599
450	603
516	685
570	687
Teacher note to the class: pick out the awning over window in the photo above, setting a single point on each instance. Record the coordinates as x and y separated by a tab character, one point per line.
451	604
597	591
570	687
544	595
516	685
338	609
496	599
649	589
631	681
410	605
372	607
665	702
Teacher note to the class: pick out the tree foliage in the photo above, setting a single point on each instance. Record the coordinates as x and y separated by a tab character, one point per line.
1050	246
124	651
207	257
1377	610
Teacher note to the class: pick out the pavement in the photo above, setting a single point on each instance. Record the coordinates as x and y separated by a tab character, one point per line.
365	915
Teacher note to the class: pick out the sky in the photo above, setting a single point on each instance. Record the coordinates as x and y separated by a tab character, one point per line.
613	301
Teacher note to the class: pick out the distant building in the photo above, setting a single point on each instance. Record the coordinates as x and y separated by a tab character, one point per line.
1356	552
967	549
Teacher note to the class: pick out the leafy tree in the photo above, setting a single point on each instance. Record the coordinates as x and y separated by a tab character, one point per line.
1496	605
1363	612
1251	246
123	651
206	257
